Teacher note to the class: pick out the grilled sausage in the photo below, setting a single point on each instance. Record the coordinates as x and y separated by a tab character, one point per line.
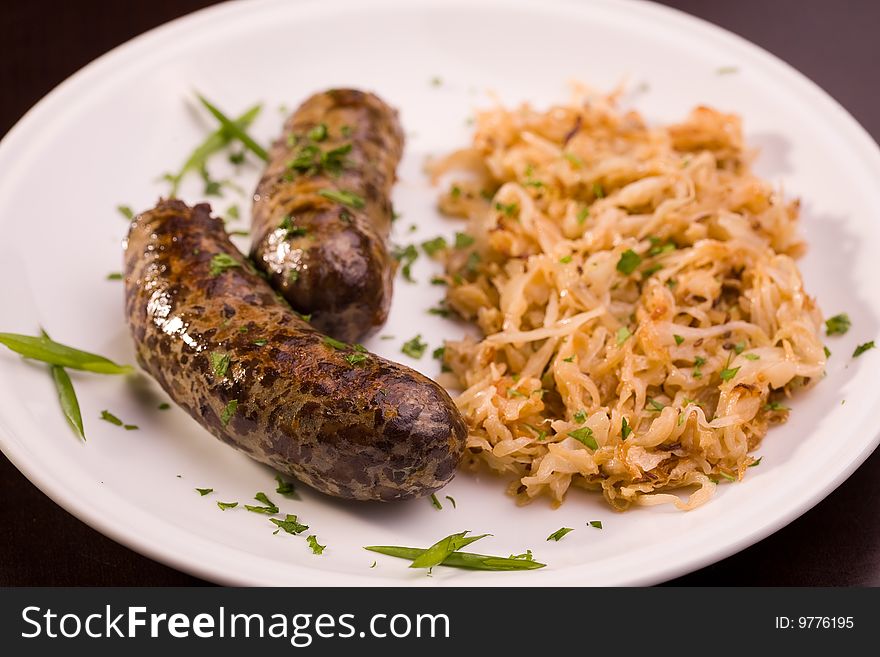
322	211
234	355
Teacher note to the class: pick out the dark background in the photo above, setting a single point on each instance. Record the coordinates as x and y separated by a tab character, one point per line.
833	42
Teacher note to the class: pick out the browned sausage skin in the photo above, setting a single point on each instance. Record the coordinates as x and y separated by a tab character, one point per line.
322	211
247	368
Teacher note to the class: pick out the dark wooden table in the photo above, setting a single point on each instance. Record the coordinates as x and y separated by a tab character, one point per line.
833	42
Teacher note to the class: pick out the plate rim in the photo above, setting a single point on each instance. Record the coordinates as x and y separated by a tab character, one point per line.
98	70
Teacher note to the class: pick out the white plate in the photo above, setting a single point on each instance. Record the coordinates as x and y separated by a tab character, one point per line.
104	136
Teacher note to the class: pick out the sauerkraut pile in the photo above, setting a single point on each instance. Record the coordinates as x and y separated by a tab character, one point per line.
642	312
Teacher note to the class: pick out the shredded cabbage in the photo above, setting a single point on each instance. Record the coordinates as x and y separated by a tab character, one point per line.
635	287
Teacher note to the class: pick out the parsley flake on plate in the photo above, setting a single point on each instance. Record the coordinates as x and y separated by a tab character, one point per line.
862	348
414	348
559	533
837	325
289	525
314	545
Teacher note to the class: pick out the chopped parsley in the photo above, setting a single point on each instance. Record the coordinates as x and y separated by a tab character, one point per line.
164	406
333	161
625	429
540	433
827	351
580	417
212	187
269	507
219	364
125	211
336	344
406	256
565	260
574	159
570	359
439	353
451	500
838	325
439	310
435	502
525	556
756	462
345	197
463	240
775	406
751	357
204	491
355	358
227	505
559	533
289	525
318	133
699	361
432	246
438	280
472	263
285	487
655	405
728	373
292	229
678	339
313	543
739	347
107	416
598	190
623	335
509	209
233	212
582	214
293	275
221	262
660	249
228	412
596	523
414	348
262	342
114	276
584	435
862	348
628	262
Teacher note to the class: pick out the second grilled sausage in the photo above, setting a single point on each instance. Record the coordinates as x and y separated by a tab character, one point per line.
322	211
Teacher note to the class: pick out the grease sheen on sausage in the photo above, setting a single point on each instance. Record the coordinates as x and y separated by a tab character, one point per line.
346	422
327	257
